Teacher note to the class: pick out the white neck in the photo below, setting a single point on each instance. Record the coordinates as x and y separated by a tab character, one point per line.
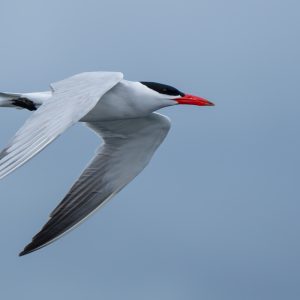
128	99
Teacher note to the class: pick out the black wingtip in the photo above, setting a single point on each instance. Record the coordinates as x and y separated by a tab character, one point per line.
23	253
24	103
28	249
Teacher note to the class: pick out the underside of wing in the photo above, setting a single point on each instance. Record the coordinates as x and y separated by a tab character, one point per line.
72	99
127	149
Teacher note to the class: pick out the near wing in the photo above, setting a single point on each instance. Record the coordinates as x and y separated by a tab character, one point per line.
127	149
72	99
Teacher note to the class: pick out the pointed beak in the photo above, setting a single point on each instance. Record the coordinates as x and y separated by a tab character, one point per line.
193	100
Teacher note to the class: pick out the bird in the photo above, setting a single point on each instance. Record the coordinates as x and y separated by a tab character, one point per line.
122	112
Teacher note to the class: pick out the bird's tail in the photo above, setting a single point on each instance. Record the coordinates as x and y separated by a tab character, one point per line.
7	99
30	101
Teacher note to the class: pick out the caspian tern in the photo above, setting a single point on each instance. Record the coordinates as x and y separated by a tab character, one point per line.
122	112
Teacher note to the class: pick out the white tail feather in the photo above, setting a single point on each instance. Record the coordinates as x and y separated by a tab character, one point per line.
7	99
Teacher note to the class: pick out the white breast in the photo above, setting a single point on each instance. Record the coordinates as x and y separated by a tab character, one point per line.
126	100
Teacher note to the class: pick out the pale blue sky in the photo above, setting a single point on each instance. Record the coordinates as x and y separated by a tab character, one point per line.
215	215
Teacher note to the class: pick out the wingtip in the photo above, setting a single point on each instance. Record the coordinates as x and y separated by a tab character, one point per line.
23	253
28	249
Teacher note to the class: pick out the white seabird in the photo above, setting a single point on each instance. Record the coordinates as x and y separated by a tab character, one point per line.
122	112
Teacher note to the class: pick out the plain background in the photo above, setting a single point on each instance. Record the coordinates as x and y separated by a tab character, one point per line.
216	213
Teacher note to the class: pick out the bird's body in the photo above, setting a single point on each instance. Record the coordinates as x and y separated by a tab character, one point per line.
120	111
126	100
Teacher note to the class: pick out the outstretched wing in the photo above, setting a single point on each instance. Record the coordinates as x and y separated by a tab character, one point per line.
127	149
72	99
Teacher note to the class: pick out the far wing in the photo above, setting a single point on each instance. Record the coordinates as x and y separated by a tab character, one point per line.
127	149
72	99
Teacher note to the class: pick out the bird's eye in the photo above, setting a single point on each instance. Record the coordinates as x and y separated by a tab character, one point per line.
162	88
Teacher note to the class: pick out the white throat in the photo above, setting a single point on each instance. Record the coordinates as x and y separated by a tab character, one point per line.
128	99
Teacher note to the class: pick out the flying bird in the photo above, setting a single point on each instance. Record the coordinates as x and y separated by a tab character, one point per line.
121	112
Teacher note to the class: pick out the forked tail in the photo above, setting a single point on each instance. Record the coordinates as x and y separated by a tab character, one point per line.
30	101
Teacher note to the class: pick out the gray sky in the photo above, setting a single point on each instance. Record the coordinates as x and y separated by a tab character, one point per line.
215	215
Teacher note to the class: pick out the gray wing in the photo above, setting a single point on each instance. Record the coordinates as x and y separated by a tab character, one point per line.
72	99
127	149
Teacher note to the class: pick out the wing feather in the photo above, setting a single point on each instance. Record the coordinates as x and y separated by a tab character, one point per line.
127	149
72	99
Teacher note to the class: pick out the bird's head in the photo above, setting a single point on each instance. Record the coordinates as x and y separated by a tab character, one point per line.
174	96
